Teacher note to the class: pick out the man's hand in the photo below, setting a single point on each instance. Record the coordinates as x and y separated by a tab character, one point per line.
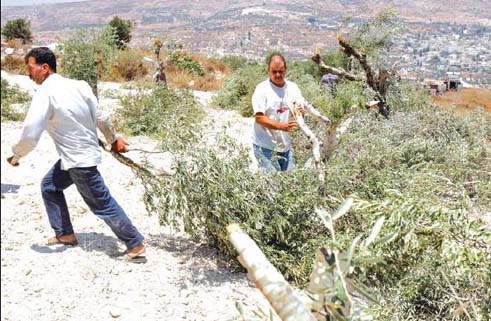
291	126
300	108
11	161
119	146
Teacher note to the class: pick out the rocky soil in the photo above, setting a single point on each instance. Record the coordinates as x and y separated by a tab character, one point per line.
182	280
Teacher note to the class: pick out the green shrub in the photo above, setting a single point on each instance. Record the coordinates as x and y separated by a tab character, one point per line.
173	116
426	171
86	56
406	96
180	59
12	95
336	58
297	69
18	29
120	32
237	91
235	62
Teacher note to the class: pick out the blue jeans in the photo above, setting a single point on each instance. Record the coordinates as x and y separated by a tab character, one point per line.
91	186
271	161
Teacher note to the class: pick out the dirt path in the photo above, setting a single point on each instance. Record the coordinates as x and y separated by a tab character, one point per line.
182	279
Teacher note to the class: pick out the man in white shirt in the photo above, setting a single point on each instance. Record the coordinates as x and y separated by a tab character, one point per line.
270	102
68	110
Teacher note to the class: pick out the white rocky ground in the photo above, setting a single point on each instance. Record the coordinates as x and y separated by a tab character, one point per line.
182	279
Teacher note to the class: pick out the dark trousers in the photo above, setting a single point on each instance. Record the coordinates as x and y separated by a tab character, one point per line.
91	186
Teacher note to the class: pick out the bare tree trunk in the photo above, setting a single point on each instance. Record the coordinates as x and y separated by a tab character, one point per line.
159	76
336	71
282	297
334	133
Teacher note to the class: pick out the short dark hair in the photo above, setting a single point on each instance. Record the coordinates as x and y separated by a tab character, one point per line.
42	55
275	54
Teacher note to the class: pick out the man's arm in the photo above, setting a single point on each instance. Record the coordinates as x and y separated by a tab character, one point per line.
104	124
118	144
267	122
34	125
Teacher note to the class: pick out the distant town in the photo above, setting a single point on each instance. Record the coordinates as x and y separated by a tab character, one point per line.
433	50
421	51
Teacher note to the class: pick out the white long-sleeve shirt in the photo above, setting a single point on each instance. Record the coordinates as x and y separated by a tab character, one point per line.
67	109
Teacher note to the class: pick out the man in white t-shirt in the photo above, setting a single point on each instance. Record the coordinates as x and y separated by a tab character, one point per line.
271	101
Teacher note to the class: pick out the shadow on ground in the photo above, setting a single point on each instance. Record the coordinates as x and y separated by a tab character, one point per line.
9	188
201	261
89	242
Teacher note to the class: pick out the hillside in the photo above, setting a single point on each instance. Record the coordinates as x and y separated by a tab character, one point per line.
246	27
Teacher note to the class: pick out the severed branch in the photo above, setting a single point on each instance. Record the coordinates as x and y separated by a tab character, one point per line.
334	134
282	297
297	115
137	168
336	71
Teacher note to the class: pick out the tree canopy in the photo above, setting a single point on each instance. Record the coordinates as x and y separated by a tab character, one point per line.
18	29
120	30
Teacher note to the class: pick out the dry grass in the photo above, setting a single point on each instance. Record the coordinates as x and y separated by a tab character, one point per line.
126	66
466	100
15	43
215	73
14	64
211	65
178	78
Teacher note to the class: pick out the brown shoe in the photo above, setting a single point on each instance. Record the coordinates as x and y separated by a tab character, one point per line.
134	252
68	239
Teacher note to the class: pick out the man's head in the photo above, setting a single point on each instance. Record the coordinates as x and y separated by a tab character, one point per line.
41	62
277	69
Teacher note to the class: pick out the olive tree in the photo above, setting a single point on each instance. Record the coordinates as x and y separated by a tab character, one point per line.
120	31
18	29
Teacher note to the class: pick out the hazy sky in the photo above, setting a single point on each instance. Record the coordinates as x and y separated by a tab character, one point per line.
33	2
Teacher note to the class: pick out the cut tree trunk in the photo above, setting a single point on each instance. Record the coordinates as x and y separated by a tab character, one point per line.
282	297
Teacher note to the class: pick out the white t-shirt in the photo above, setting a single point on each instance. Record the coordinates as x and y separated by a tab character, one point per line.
67	109
273	102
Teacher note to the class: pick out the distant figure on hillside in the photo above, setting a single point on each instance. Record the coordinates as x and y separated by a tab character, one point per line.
67	109
329	80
